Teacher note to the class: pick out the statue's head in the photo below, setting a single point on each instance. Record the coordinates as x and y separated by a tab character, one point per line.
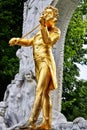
50	13
3	106
51	10
29	75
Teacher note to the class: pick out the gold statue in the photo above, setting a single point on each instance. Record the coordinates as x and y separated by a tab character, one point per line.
45	68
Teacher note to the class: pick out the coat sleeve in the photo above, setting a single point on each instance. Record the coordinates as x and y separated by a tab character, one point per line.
55	36
25	42
21	41
50	38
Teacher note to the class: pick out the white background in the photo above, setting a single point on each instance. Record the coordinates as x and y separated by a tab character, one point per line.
83	68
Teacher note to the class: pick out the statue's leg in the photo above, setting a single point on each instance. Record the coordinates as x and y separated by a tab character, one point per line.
43	81
47	109
46	104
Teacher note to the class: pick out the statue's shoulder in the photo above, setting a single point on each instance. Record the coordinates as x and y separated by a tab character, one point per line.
57	30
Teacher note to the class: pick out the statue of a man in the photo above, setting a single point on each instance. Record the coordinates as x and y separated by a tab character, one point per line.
45	67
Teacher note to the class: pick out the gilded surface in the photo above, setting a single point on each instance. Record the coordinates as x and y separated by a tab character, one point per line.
45	67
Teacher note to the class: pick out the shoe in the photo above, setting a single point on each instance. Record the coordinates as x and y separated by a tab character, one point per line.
24	127
43	126
32	127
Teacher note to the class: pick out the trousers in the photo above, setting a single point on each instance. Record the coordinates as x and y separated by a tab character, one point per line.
42	98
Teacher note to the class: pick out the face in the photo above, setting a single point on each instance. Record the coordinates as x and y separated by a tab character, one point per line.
28	76
48	15
3	107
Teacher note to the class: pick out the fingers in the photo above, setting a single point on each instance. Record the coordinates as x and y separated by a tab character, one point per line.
42	21
13	41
